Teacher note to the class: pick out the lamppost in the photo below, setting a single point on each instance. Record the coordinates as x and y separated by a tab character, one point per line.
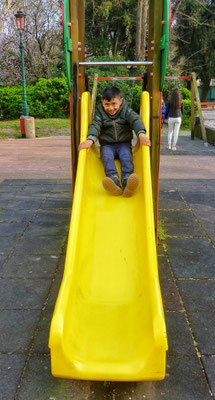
20	23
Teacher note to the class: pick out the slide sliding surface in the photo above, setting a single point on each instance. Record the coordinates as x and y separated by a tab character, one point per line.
108	322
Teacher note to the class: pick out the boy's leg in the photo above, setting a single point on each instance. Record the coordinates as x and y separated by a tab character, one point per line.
125	155
108	156
111	181
129	179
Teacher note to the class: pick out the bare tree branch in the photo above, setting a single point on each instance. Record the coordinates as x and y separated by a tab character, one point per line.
190	17
206	8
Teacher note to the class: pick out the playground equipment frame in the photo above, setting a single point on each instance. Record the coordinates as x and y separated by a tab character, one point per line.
153	85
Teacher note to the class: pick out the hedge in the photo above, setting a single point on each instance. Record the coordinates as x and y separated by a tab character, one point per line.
48	98
186	118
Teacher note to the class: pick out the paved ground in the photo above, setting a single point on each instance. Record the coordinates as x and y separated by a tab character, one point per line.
209	117
35	202
44	158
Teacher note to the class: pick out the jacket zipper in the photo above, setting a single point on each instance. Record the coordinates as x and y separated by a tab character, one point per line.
114	124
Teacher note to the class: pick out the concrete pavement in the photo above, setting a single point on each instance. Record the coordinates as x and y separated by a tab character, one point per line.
35	204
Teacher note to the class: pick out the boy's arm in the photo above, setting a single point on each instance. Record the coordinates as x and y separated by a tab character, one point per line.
138	126
143	139
95	128
93	133
85	145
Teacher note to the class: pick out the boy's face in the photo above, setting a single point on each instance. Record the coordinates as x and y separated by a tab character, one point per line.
111	107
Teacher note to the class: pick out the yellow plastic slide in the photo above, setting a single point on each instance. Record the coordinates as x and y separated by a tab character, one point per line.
108	322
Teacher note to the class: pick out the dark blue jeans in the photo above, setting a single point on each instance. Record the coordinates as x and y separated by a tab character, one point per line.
117	151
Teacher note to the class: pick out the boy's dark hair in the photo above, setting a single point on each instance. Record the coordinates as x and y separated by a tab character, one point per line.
110	92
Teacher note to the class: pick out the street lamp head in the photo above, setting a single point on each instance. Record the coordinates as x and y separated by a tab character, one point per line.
20	20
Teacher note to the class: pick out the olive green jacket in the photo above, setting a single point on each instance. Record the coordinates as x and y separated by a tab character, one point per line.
117	128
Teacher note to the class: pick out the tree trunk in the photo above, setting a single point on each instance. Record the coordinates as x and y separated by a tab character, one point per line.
205	84
139	28
205	90
116	43
144	28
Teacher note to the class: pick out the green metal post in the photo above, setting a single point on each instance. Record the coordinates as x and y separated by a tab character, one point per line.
25	112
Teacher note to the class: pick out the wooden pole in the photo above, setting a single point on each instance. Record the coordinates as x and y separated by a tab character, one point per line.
74	87
94	92
204	136
153	79
81	37
192	109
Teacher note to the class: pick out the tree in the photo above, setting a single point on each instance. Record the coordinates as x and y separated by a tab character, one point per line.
44	37
111	27
141	28
9	55
43	42
4	7
195	40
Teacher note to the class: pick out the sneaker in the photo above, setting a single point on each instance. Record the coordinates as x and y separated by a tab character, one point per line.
173	147
169	146
129	185
112	185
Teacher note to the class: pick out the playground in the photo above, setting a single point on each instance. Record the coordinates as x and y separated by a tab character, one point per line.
94	303
35	216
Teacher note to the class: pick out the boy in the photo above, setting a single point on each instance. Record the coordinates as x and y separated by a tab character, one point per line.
112	126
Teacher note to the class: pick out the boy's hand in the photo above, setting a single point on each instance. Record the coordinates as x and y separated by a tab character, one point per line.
144	140
85	145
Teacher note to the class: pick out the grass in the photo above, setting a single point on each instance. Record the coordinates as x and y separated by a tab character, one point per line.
161	231
44	128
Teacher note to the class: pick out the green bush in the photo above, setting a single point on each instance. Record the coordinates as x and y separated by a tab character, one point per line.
186	94
48	98
10	102
136	93
186	119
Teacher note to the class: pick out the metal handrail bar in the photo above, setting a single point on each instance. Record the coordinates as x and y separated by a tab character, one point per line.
120	78
209	103
178	77
116	63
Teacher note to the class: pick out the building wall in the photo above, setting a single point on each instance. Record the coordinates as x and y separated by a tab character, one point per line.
211	94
